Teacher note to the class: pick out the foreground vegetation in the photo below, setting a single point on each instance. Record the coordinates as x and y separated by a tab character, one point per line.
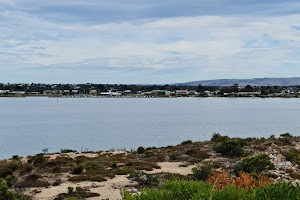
227	168
195	190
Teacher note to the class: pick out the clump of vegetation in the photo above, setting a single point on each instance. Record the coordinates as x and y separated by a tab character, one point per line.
223	179
114	165
174	156
202	172
141	150
15	157
216	137
33	180
95	178
144	179
256	164
6	194
79	193
67	151
186	142
230	148
37	159
286	135
78	170
183	189
293	156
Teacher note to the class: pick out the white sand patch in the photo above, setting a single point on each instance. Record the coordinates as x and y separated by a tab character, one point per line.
107	189
173	167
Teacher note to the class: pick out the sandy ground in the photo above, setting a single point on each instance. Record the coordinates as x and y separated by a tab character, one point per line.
172	167
110	188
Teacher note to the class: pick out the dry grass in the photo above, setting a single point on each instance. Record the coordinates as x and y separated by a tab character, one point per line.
223	179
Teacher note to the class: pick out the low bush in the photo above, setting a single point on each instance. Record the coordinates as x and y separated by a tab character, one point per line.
78	170
77	194
186	142
80	178
182	189
6	194
38	159
174	156
67	151
230	148
141	150
148	154
33	180
144	179
202	172
256	164
293	156
216	137
286	135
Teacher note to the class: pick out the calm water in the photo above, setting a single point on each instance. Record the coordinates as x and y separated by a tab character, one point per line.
28	125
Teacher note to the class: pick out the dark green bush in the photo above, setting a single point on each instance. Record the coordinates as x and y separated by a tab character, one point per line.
67	151
37	159
78	169
216	137
5	194
114	165
148	154
186	142
286	135
231	148
293	156
141	150
202	172
256	164
144	179
174	156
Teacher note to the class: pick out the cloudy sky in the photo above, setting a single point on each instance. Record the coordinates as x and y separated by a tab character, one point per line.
147	41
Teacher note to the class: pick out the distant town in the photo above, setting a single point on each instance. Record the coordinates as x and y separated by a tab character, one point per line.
111	90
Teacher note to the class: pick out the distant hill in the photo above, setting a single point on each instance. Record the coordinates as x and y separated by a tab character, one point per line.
243	82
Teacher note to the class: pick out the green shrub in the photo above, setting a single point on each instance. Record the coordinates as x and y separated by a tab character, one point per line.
271	137
67	151
78	169
186	142
5	194
216	137
114	165
202	172
148	154
141	150
194	190
286	135
11	181
293	156
37	159
144	179
231	148
174	156
256	164
15	157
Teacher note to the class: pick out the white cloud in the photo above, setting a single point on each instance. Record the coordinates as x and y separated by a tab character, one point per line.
200	47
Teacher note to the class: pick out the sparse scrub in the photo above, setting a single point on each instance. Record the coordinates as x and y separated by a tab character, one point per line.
144	179
141	150
202	172
256	164
186	142
286	135
67	151
230	148
216	137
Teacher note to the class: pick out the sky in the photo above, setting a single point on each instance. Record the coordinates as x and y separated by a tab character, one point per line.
147	41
